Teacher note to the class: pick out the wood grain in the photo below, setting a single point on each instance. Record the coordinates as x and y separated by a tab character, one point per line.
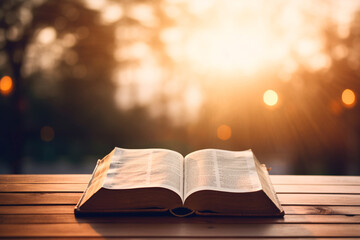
43	187
41	206
320	199
295	188
322	210
178	230
37	209
45	178
314	179
38	198
146	219
290	210
183	238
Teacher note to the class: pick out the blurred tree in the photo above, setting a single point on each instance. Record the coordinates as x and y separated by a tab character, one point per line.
62	57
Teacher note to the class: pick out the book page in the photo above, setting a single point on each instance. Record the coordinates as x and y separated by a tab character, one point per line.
97	179
143	168
220	170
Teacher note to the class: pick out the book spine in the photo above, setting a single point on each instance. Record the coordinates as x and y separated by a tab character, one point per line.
181	212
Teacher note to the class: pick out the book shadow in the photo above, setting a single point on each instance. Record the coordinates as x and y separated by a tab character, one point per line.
165	224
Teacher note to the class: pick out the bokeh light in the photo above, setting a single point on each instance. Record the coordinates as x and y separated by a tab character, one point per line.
47	133
348	98
6	85
47	35
224	132
112	13
336	108
270	97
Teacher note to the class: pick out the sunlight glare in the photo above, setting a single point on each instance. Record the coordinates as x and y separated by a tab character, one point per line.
227	50
319	61
348	98
307	47
95	4
270	97
143	13
148	79
243	38
214	44
340	52
111	13
193	101
199	6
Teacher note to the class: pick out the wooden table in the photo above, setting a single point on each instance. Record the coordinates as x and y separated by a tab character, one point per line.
34	206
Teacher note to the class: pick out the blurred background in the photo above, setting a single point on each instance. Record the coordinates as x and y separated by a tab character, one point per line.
79	77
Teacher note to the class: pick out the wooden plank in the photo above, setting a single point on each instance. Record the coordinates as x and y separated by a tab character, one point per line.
45	178
319	199
342	189
70	218
38	198
328	208
80	187
315	179
276	179
178	230
38	209
66	209
289	210
43	187
322	210
181	238
73	198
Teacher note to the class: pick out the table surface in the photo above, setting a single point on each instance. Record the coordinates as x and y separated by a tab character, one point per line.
34	206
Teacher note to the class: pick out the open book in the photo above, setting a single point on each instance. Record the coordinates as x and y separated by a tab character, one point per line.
207	182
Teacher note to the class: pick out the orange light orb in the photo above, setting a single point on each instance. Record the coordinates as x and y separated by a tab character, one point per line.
6	85
270	97
348	98
224	132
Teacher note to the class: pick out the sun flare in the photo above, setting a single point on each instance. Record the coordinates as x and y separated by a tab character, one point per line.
270	97
226	50
216	46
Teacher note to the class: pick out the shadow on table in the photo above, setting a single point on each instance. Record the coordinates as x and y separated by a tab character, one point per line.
166	225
